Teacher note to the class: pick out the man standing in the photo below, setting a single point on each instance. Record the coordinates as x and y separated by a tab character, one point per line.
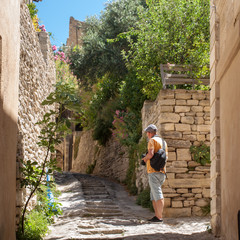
156	178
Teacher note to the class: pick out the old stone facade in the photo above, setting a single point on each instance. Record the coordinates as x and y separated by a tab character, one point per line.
37	76
9	78
225	118
76	31
110	161
183	119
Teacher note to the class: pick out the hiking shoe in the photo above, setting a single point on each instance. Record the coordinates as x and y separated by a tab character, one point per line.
155	219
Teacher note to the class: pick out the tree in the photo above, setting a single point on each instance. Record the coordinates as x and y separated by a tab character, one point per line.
170	31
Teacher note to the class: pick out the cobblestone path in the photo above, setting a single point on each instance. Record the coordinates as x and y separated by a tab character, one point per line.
96	208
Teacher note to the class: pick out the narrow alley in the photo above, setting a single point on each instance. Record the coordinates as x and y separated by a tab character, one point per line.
97	208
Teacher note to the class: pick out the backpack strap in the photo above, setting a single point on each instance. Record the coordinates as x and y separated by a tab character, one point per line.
163	142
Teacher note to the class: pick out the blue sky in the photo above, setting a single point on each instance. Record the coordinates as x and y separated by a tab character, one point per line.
55	15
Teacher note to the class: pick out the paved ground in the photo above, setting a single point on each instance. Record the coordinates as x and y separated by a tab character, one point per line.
96	208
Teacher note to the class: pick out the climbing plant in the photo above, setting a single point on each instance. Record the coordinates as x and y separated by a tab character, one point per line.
54	126
201	153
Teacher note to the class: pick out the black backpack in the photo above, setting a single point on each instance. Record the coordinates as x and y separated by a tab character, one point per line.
159	159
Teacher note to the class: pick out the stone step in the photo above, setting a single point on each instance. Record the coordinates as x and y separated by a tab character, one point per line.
102	210
102	231
104	215
95	193
95	197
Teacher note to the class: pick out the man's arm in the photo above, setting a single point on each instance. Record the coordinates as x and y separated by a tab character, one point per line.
149	155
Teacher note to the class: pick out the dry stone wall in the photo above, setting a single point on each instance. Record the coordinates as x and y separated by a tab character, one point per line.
183	119
37	75
109	161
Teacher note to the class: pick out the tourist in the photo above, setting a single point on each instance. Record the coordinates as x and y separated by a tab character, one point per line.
156	178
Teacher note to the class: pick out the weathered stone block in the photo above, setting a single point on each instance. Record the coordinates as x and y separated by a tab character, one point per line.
199	96
198	195
197	211
184	154
167	127
171	175
178	144
204	103
168	102
167	202
197	190
182	190
198	175
183	127
188	120
192	102
206	192
206	109
179	164
166	189
199	120
199	114
177	204
201	203
176	170
187	195
203	128
189	137
166	108
203	168
183	96
166	94
201	138
183	175
189	183
169	118
181	102
176	212
182	109
172	156
188	203
173	135
197	108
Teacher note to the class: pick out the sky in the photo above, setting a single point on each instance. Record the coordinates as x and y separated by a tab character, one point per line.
55	15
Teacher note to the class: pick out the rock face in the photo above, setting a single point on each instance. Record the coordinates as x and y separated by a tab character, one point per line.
109	161
37	75
183	118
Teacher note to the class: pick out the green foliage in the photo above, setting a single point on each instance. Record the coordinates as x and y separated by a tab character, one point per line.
143	199
169	31
102	131
201	154
38	220
32	9
206	209
36	226
76	145
98	55
135	152
44	204
91	167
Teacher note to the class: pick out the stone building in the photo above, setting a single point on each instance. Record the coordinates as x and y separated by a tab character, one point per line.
9	79
27	72
225	117
76	31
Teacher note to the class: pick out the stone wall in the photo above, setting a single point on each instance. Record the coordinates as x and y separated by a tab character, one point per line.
225	117
76	31
109	161
183	119
9	77
37	75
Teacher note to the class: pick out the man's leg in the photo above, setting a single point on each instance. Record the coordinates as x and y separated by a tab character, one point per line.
158	207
